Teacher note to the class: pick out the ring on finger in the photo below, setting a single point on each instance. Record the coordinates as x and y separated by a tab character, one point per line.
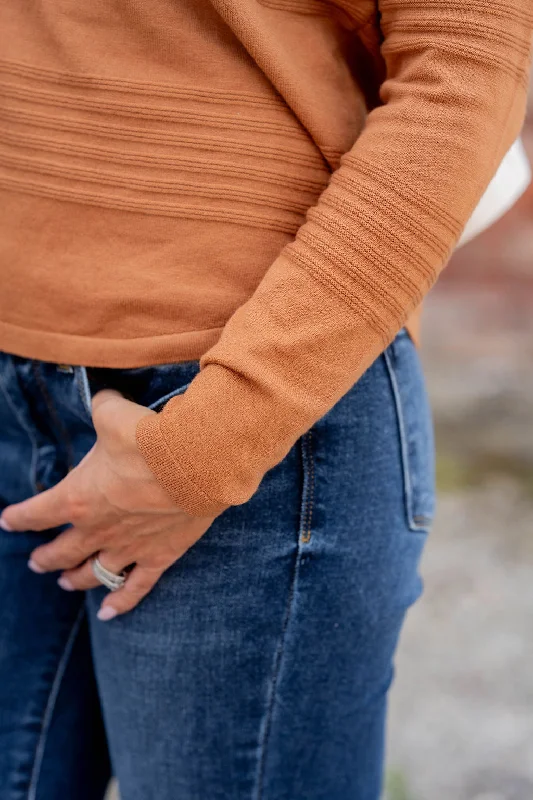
112	580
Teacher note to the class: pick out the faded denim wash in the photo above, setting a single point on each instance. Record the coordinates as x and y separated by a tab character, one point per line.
258	667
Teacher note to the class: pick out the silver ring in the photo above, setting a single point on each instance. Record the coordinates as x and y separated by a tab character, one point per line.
106	577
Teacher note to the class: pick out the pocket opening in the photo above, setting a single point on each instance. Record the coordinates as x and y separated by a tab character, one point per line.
157	405
415	430
151	387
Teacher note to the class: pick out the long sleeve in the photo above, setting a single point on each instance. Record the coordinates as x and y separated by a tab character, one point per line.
453	101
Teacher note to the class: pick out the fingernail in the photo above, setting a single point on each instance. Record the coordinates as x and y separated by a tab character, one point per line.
35	567
5	525
65	584
106	612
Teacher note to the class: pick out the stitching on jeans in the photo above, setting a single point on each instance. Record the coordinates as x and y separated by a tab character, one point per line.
414	522
401	431
61	430
258	794
82	382
304	534
309	487
27	429
50	705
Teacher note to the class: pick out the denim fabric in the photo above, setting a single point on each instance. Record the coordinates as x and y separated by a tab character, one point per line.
258	667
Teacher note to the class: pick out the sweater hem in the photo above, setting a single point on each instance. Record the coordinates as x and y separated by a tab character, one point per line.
143	351
89	351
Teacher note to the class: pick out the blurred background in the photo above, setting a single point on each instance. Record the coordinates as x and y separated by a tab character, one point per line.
461	724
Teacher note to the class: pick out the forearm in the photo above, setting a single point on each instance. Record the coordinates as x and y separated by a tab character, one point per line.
453	102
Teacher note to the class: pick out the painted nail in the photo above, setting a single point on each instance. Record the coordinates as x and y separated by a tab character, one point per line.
35	567
5	525
106	613
65	584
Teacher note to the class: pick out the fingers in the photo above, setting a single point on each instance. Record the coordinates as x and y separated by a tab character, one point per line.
140	581
83	577
66	551
46	510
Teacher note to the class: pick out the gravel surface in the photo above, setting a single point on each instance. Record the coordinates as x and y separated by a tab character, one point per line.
461	722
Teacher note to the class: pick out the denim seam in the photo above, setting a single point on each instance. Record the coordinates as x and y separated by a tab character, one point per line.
258	793
34	446
309	485
407	485
304	527
84	390
50	705
61	430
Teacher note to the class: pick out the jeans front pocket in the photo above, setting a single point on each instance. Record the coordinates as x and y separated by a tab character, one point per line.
415	429
152	386
168	381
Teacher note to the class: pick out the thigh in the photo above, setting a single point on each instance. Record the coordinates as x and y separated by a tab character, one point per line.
259	665
369	503
52	742
186	677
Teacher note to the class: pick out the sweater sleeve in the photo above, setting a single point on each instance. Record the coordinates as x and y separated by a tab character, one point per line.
453	101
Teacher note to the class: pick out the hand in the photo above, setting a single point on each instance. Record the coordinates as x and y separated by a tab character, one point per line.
116	508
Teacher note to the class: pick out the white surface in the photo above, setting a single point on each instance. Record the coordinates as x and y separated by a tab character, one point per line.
509	183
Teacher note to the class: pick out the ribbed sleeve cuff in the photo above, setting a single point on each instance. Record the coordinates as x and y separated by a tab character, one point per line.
172	476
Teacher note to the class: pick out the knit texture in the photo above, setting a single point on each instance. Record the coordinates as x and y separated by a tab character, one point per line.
269	186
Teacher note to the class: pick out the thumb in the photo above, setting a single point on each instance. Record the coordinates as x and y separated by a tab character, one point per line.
105	396
112	412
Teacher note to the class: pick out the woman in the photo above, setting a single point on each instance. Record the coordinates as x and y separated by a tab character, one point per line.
219	220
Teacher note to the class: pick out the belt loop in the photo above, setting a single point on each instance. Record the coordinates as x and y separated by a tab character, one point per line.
84	389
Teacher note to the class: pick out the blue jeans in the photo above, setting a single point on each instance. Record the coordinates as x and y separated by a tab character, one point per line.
258	667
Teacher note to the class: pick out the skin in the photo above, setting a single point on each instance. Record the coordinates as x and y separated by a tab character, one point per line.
116	508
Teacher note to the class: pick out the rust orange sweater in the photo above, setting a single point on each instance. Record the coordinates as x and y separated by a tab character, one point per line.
268	185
